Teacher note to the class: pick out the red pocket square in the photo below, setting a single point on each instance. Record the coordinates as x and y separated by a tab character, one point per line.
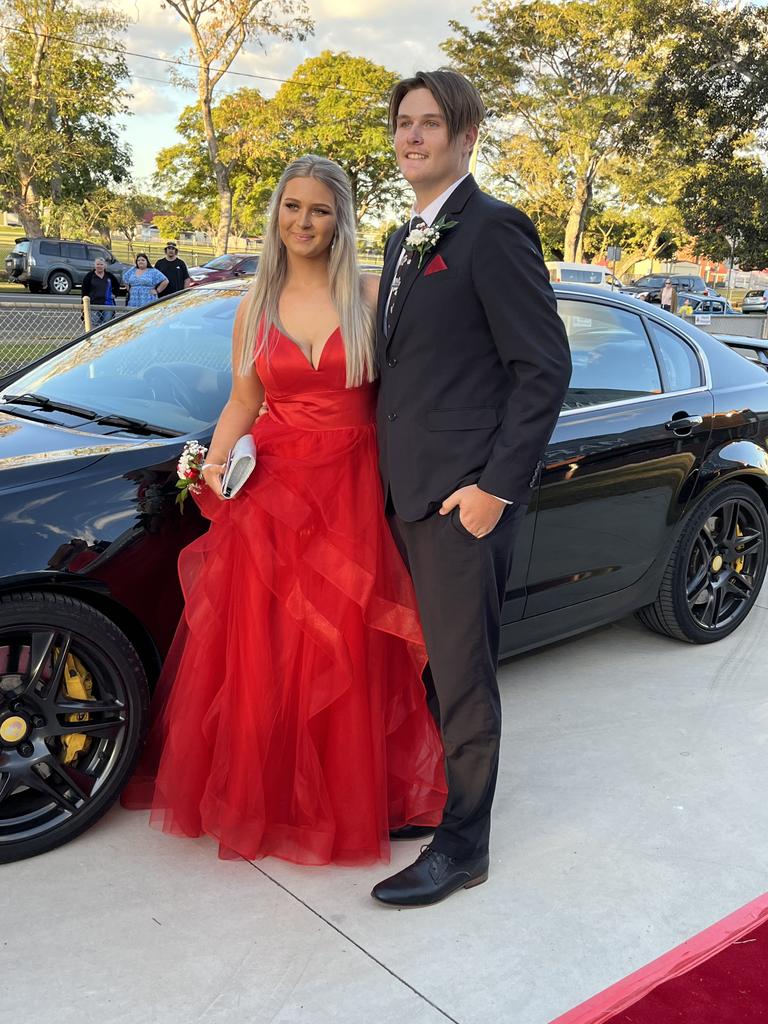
435	265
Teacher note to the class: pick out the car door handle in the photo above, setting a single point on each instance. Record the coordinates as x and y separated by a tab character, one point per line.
683	424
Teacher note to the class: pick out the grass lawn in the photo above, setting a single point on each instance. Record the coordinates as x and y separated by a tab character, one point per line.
20	353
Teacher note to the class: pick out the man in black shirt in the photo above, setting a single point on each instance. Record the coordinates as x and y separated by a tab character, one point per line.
174	269
101	287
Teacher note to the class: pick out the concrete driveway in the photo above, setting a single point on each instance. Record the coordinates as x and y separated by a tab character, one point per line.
628	818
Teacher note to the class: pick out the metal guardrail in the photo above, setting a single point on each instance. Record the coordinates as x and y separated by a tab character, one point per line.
29	330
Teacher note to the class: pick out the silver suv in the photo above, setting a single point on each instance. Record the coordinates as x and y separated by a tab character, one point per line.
56	265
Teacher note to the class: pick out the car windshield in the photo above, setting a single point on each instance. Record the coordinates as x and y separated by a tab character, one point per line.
221	263
757	293
167	364
650	282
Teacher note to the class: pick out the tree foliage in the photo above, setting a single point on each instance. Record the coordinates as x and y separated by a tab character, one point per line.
58	101
726	208
582	93
218	30
333	105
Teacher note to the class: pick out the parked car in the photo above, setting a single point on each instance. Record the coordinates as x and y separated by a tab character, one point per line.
649	287
582	273
56	265
755	301
224	268
651	499
703	304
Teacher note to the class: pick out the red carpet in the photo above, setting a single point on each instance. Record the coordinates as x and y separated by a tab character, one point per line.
718	977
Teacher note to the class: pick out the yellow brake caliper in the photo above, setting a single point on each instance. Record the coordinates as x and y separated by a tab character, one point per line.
738	565
78	686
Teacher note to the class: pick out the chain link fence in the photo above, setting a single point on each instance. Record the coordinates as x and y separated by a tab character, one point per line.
31	329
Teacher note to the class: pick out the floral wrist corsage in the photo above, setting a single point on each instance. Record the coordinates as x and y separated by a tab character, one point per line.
422	240
189	471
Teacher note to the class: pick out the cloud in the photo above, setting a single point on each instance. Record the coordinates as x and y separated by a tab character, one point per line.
151	99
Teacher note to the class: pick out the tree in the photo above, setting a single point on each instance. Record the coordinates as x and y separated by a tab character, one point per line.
219	29
577	90
334	105
58	102
127	208
185	173
726	208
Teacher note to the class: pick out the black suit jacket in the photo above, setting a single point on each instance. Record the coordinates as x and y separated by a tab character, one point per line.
476	364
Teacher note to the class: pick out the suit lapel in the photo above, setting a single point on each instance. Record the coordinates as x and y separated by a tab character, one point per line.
452	208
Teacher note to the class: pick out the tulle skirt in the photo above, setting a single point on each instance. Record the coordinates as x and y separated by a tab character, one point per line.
290	718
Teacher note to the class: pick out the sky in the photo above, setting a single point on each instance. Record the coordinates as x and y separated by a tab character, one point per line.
399	34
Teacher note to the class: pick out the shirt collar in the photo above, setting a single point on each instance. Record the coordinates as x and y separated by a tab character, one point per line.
430	212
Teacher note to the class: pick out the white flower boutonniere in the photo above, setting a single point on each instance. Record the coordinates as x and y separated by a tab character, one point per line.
424	239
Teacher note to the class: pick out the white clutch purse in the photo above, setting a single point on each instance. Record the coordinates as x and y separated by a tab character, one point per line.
241	462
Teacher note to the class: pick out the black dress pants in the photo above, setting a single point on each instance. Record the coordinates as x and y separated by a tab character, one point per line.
460	583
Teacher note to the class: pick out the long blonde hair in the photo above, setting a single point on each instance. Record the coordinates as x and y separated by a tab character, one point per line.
355	317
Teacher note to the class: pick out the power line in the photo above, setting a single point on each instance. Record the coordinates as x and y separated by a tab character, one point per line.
167	60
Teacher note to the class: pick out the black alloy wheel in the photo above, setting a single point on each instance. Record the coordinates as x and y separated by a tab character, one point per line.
73	711
716	569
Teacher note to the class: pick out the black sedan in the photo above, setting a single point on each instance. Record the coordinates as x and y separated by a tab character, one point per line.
652	499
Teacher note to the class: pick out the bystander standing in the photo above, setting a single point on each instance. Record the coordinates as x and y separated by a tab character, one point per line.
100	287
175	269
668	296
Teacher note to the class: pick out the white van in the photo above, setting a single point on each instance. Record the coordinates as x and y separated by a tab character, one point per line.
582	273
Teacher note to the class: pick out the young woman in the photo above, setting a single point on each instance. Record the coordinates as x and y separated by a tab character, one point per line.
144	283
291	718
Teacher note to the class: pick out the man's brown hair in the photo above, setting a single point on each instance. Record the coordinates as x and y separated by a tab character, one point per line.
458	100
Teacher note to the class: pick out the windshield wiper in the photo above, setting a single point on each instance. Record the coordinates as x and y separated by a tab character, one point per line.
50	404
139	426
107	419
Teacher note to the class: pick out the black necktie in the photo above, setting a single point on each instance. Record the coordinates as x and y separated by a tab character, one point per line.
407	268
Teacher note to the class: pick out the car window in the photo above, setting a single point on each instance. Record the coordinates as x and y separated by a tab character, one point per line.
581	276
611	354
680	363
21	247
50	248
167	364
73	251
220	263
651	282
95	253
249	266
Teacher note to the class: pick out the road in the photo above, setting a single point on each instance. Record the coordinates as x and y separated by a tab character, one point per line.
630	815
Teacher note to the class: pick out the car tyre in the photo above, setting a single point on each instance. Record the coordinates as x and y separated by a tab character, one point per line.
716	569
59	283
49	644
34	287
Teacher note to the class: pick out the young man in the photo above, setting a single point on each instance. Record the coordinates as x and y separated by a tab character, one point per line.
174	269
474	366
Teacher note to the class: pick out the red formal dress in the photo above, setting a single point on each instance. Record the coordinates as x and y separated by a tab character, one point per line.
290	719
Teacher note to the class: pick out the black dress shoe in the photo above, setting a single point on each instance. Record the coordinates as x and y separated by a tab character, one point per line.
430	879
411	832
